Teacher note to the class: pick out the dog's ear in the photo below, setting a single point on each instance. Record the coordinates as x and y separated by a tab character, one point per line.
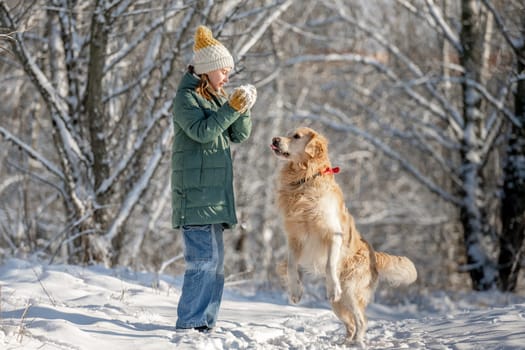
316	147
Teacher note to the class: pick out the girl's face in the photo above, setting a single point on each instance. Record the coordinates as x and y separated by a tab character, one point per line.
218	78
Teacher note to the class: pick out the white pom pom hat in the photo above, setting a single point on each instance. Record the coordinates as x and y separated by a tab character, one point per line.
208	53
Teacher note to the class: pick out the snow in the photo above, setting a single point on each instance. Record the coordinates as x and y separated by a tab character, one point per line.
71	307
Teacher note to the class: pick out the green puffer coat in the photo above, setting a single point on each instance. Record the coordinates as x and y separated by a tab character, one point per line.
202	174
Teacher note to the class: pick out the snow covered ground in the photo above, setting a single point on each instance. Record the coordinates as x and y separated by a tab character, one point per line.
70	307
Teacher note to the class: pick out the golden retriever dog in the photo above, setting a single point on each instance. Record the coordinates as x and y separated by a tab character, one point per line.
322	237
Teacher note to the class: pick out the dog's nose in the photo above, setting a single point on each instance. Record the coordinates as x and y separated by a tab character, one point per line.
276	141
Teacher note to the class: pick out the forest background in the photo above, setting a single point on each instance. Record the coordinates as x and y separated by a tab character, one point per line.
423	102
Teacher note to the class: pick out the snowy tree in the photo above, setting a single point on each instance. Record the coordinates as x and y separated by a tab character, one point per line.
77	71
471	47
512	240
107	73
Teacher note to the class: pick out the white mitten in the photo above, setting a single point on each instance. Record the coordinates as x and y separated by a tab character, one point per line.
251	95
243	97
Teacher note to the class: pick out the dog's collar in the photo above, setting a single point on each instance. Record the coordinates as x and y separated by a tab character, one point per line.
323	172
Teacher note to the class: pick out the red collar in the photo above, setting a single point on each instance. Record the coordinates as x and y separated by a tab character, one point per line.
326	171
330	171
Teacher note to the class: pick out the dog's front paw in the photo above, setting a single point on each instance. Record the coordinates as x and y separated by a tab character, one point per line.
334	292
296	292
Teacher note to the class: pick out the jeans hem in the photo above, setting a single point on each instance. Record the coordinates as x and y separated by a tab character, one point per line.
192	325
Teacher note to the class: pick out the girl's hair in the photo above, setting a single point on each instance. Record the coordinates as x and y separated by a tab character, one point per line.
204	88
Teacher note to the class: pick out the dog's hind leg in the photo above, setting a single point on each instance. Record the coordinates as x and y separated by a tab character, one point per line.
345	315
351	311
295	286
333	285
360	320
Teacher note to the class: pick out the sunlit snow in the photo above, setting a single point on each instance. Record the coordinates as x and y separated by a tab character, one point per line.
71	307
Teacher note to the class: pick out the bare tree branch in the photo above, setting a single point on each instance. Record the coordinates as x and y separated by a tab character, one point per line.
447	31
517	43
31	152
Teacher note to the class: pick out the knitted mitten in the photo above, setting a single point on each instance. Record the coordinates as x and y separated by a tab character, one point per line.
252	95
243	98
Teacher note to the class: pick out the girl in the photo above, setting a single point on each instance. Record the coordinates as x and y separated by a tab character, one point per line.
205	122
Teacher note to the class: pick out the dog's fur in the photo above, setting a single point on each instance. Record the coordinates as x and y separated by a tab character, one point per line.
322	237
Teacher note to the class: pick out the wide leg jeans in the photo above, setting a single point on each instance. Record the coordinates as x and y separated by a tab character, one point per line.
204	276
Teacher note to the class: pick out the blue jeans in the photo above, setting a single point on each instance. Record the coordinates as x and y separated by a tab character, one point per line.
204	276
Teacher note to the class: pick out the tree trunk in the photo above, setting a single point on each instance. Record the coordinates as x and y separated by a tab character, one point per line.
471	210
96	117
512	240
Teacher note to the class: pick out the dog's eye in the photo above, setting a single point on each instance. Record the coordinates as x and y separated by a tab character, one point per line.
296	136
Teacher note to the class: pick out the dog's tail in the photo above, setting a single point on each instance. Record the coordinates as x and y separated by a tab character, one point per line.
395	270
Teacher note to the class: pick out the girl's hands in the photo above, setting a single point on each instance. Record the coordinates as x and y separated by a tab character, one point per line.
243	98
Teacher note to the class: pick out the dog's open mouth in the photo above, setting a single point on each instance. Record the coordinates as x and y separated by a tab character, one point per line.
278	151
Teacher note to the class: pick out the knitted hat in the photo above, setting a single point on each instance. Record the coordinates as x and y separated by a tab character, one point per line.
208	53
